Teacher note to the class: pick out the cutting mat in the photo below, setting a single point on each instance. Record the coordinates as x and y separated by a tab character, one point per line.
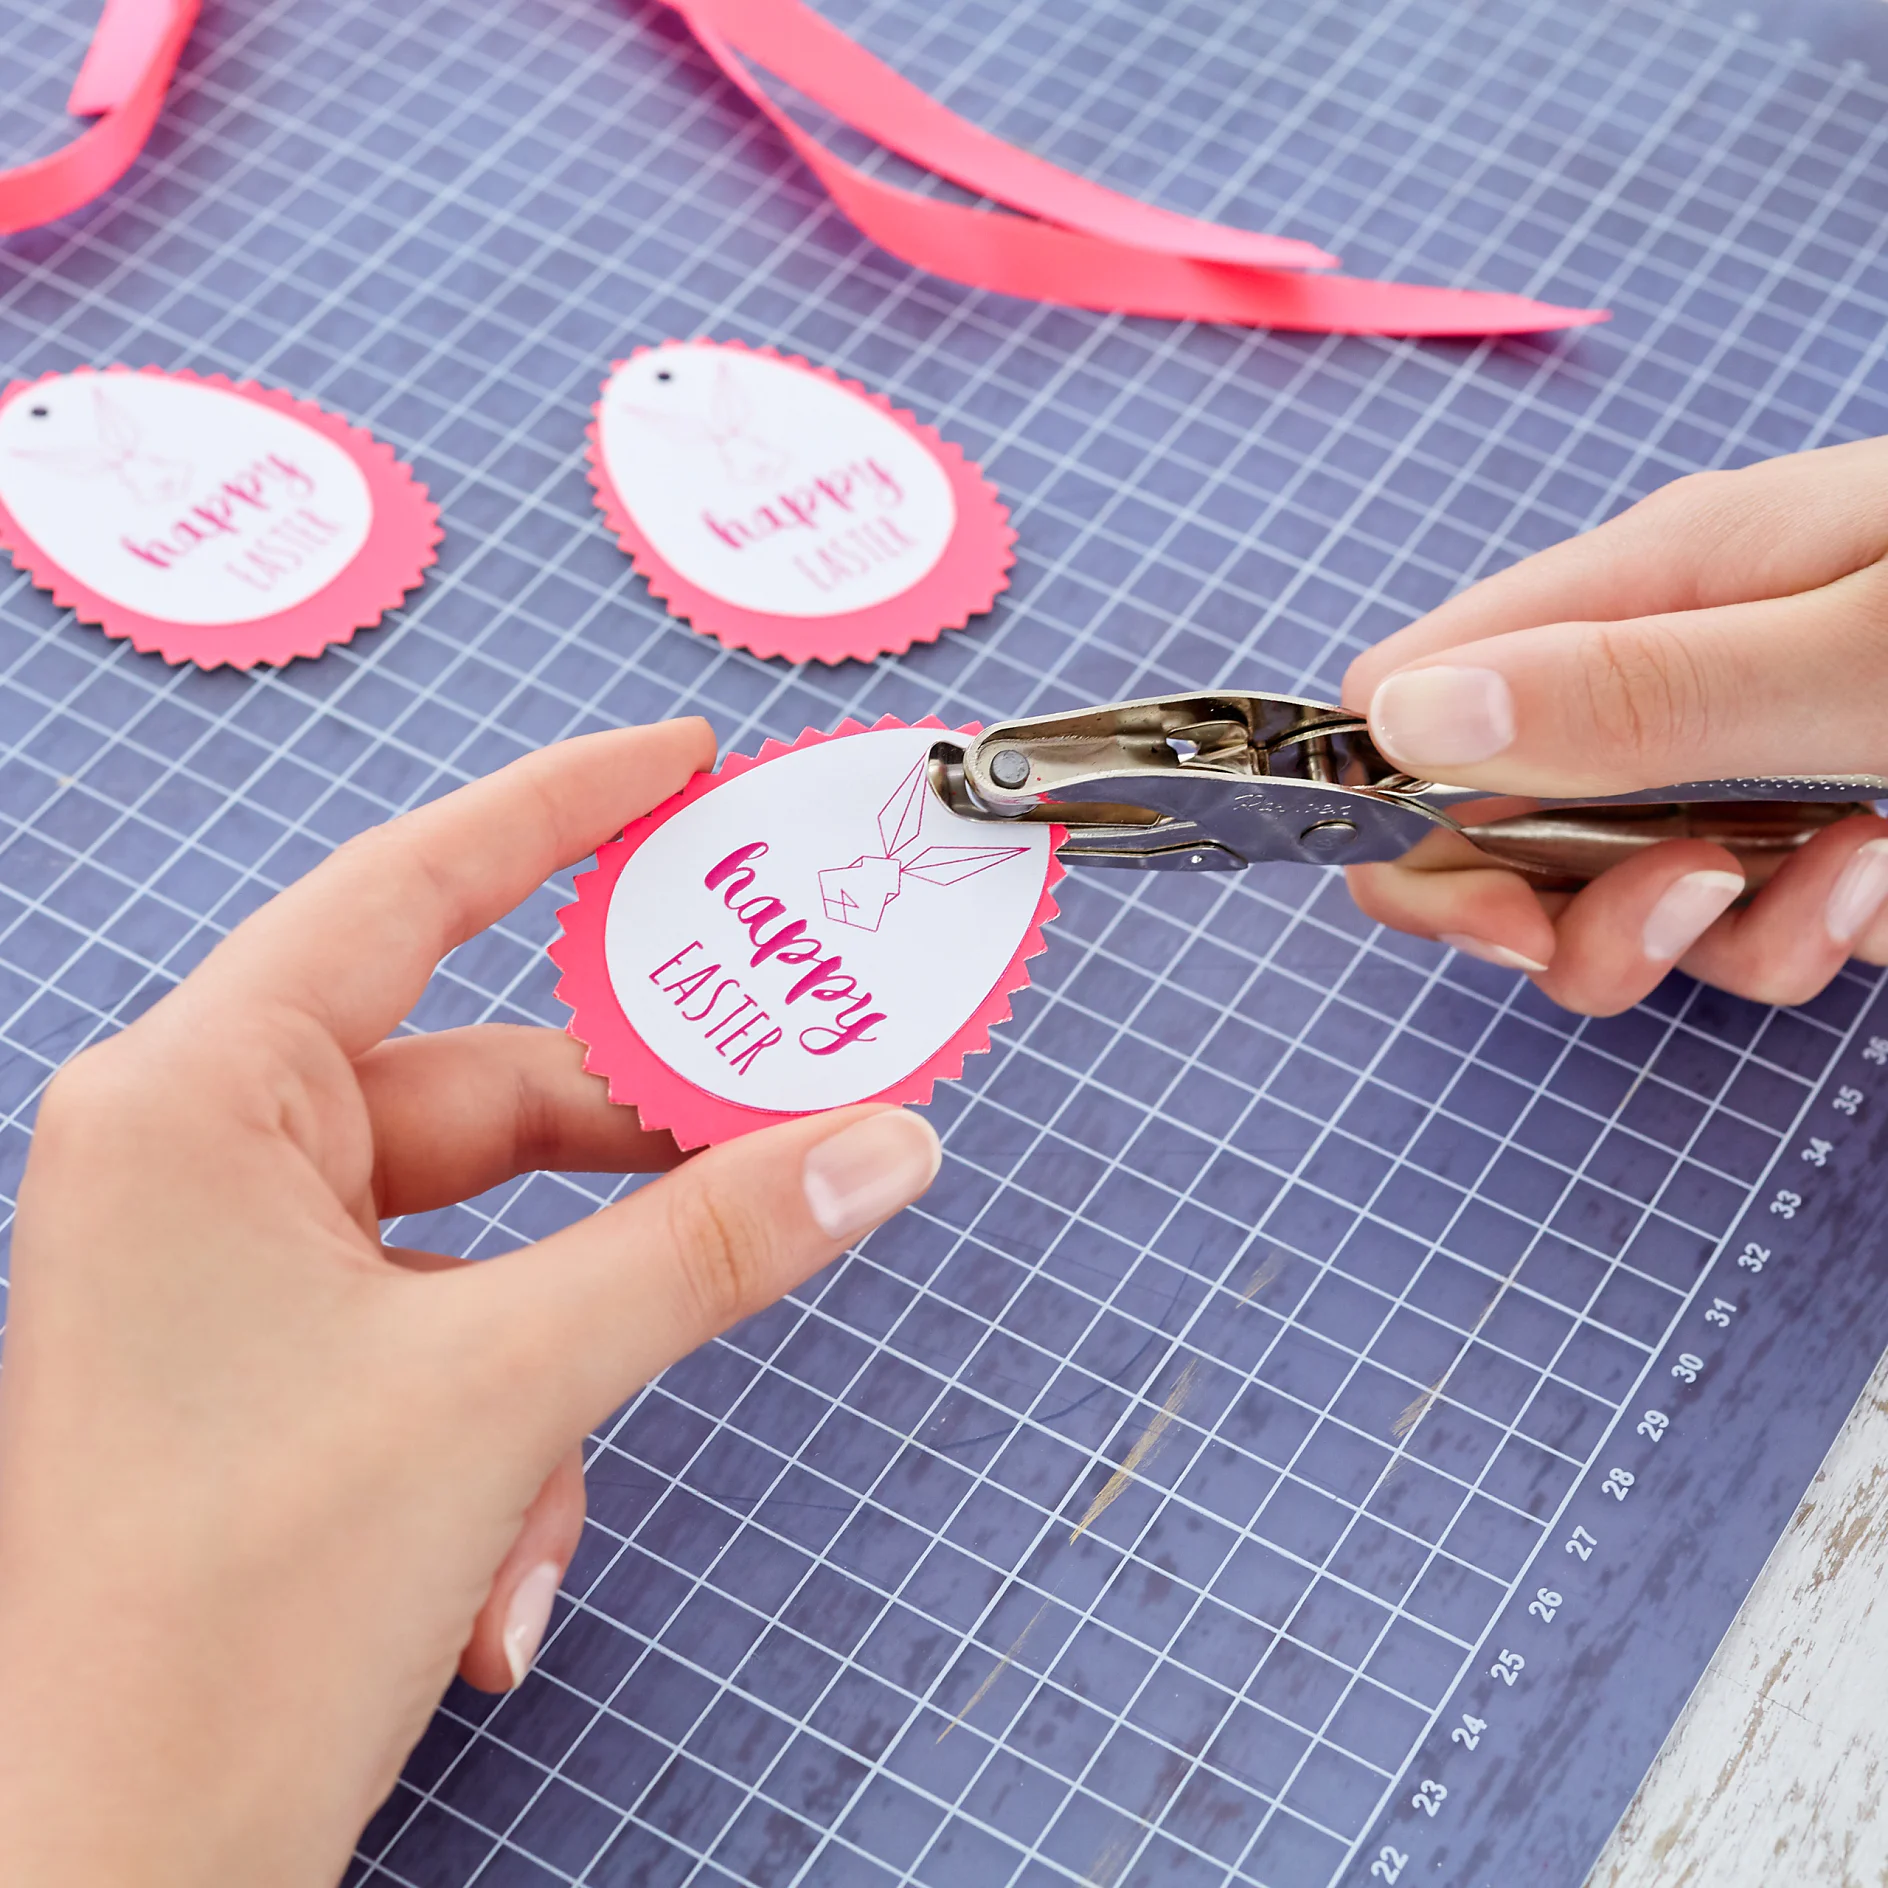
1153	1504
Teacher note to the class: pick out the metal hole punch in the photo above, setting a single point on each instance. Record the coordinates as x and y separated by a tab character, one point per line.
1222	781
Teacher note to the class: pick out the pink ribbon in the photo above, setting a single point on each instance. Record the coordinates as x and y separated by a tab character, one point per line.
122	83
1075	242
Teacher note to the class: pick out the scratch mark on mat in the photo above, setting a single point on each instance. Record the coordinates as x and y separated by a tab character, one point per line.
1418	1408
1144	1445
996	1671
1108	1864
1415	1411
1262	1277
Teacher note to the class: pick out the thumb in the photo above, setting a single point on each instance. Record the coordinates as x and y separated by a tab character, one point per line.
511	1624
585	1318
1786	685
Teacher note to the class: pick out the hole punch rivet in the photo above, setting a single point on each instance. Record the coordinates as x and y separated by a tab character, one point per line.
1327	837
1009	767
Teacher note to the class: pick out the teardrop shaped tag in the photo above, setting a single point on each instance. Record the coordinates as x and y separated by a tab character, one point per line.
785	511
209	521
807	929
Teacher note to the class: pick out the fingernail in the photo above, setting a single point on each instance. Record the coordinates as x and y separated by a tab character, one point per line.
1430	718
1490	953
1686	909
1858	894
527	1616
866	1172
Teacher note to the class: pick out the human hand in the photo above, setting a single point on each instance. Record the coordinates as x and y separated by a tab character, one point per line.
1733	623
265	1482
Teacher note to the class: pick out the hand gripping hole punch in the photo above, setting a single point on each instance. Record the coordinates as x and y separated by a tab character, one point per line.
1216	782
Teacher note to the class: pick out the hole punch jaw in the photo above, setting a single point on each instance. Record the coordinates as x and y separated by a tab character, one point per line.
1210	782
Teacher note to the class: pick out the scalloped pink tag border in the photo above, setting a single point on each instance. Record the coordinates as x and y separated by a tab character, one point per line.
638	1077
400	548
964	582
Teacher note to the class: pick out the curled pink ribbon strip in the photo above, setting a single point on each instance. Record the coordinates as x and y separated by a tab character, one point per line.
1076	242
124	78
836	72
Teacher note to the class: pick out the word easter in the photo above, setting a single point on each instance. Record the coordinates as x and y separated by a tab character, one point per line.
854	552
825	979
689	982
283	548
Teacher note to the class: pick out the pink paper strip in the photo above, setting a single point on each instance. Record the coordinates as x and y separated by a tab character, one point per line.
129	36
1117	272
817	59
125	76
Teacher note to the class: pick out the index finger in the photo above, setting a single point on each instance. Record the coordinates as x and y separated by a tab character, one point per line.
1770	530
352	945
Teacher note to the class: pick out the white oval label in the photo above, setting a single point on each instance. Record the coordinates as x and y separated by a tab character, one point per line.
769	486
816	928
182	502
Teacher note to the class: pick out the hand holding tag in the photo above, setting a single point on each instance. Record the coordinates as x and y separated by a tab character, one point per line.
390	1434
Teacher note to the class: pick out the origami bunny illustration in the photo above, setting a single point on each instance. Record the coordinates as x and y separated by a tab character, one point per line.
857	894
746	457
110	445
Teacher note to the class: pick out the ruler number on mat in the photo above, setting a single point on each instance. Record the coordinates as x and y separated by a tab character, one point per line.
1752	1260
1757	1255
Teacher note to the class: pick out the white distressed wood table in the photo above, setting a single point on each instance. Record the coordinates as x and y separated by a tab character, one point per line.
1774	1773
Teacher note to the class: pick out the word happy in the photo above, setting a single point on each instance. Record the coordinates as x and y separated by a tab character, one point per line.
828	504
732	1021
234	510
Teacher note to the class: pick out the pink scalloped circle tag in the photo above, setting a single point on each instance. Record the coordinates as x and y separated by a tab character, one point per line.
800	931
788	512
208	520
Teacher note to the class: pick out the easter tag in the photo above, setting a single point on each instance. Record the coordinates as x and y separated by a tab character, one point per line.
785	511
799	931
209	521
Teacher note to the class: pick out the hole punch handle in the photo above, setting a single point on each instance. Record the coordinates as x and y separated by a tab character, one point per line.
1561	849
